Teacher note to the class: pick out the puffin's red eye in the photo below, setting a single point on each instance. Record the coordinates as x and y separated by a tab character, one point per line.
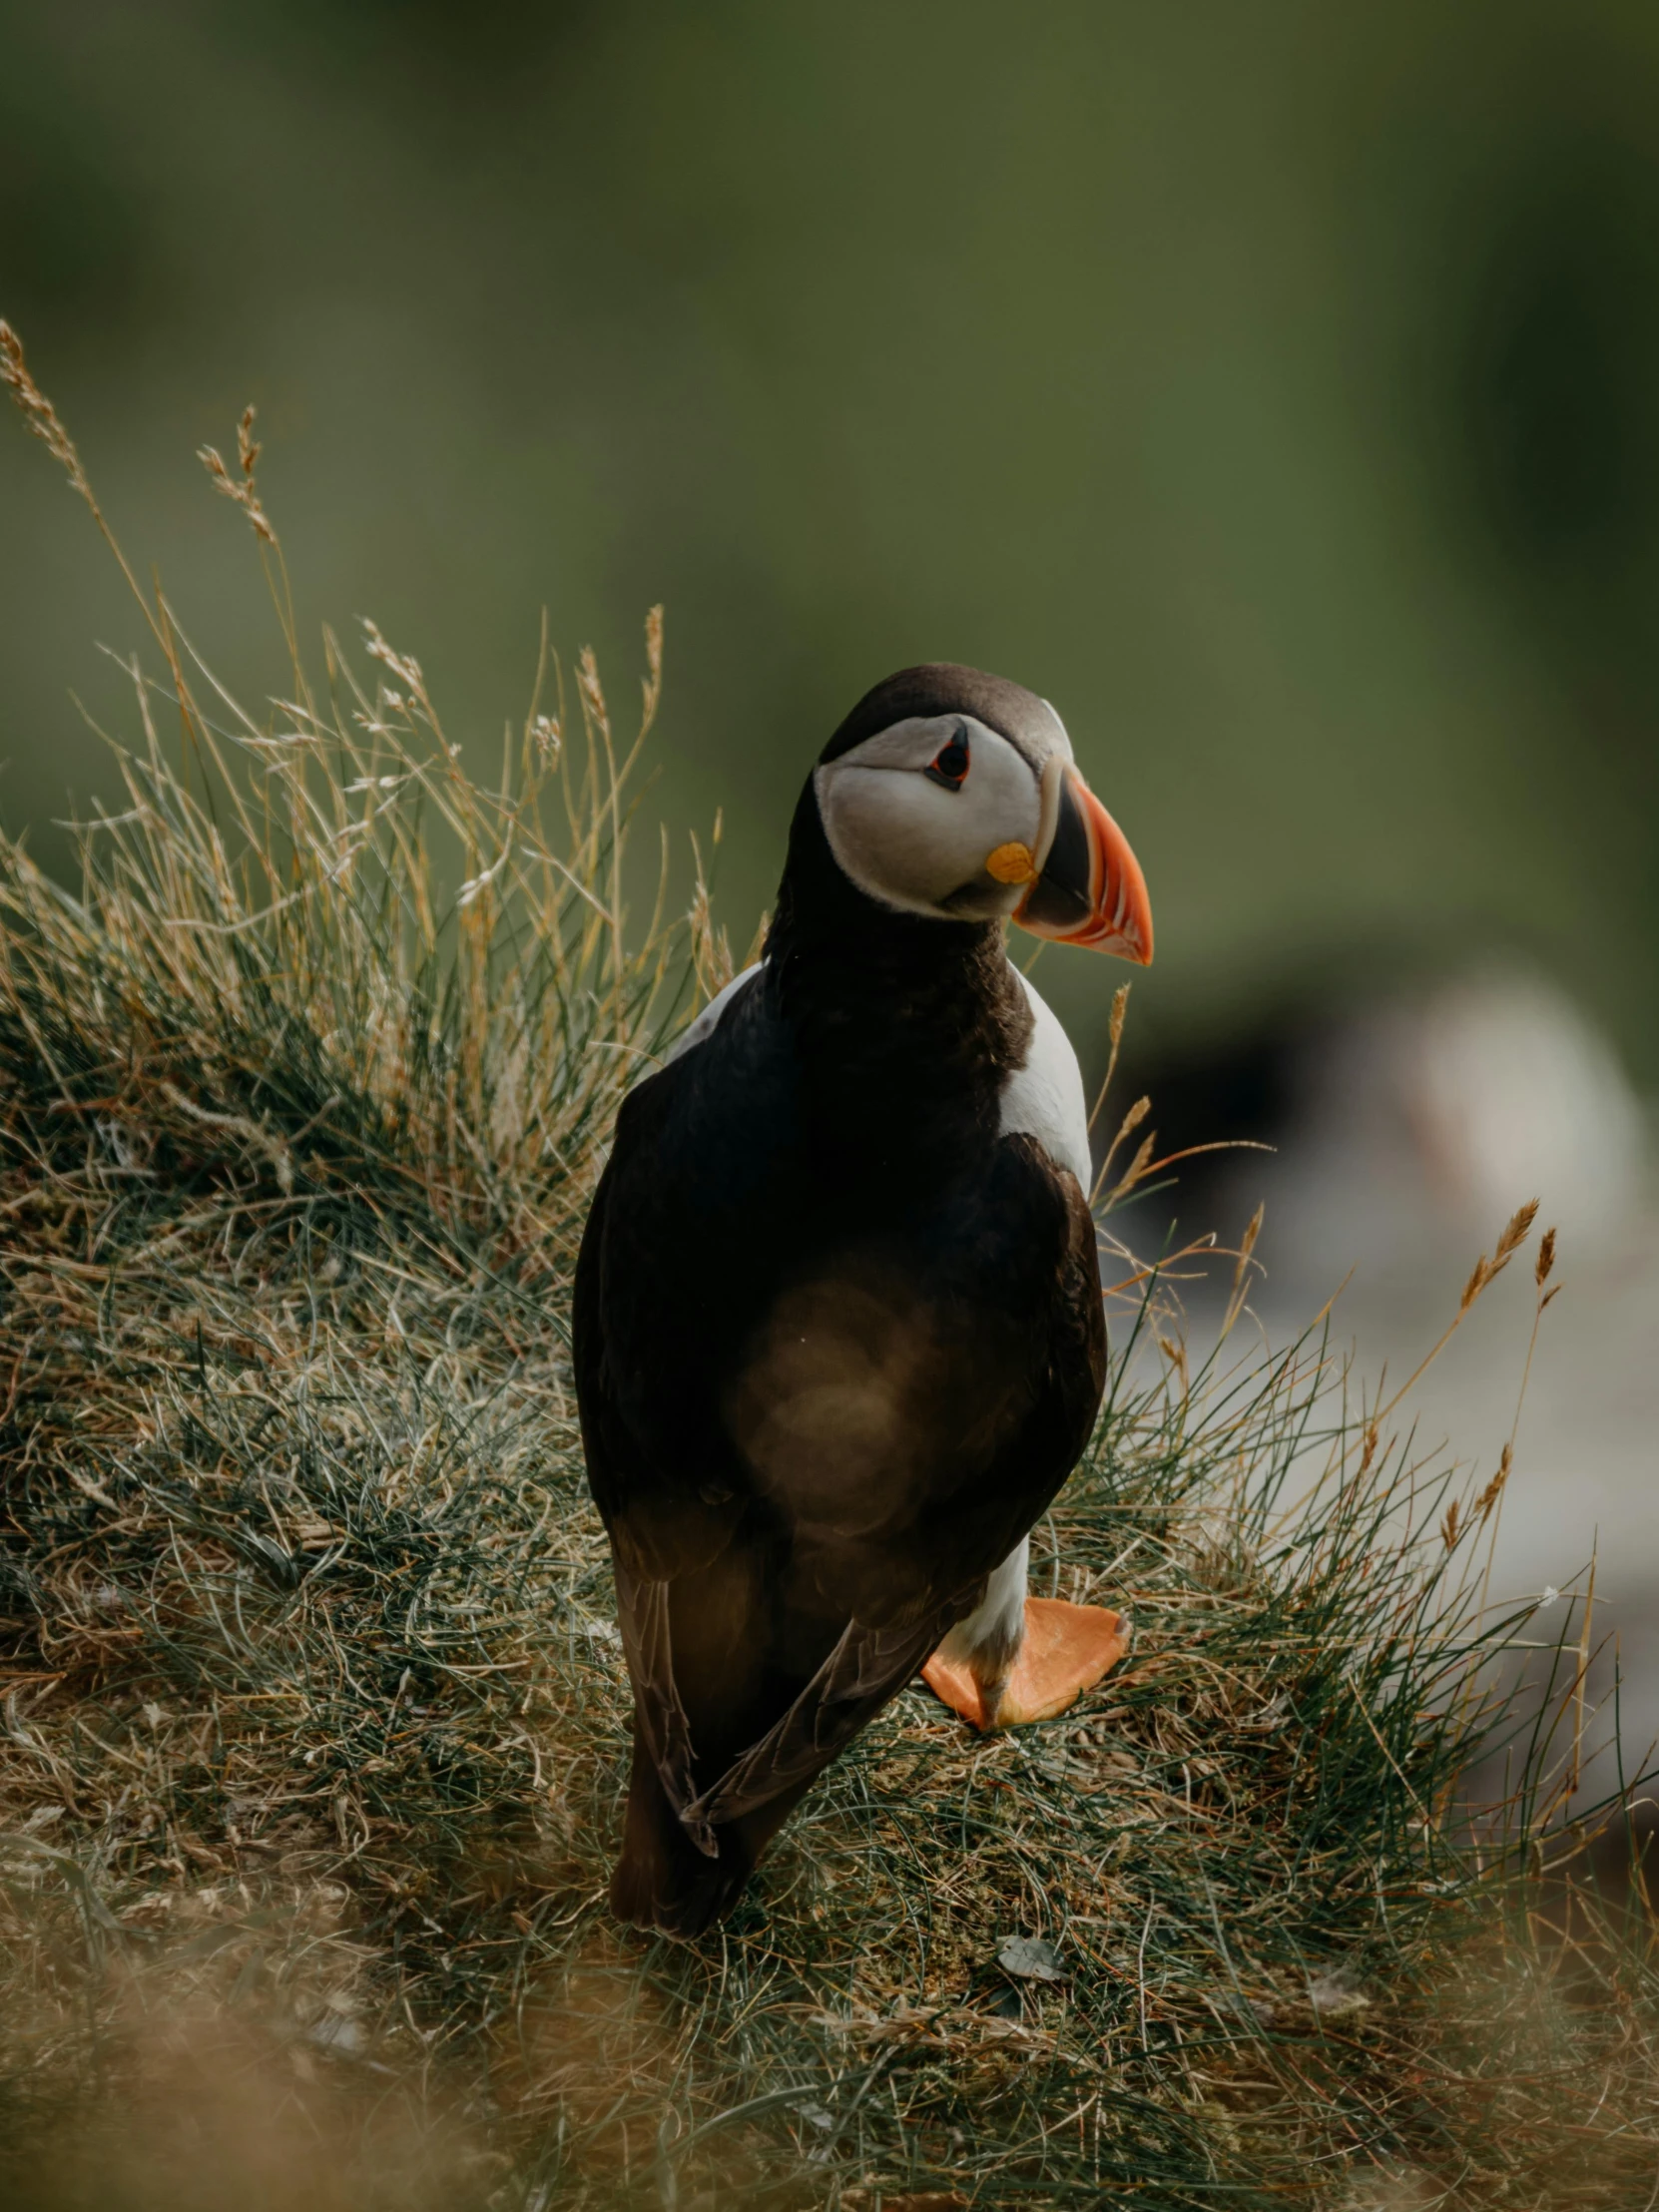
949	765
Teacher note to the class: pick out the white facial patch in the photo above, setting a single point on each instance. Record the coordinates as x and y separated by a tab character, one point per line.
911	842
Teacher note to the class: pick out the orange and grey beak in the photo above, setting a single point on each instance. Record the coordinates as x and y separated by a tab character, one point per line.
1089	889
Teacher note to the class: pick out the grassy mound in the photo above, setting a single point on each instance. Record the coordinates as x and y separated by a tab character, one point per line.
315	1715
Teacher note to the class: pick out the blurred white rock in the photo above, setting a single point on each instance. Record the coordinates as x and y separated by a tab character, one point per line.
1409	1129
1418	1124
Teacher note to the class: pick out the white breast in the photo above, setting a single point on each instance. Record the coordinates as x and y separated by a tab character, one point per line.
1044	1098
708	1021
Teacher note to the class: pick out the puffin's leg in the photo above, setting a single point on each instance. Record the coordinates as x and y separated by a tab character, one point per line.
970	1669
1017	1658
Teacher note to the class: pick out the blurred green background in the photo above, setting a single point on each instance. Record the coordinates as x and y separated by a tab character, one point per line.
1276	388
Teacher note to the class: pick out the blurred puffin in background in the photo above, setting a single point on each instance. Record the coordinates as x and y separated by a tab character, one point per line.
839	1336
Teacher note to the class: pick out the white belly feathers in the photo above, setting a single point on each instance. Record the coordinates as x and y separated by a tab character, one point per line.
1044	1098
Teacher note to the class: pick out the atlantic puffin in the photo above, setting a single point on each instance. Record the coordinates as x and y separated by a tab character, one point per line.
839	1336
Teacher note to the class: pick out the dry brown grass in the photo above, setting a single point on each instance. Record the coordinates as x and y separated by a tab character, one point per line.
314	1717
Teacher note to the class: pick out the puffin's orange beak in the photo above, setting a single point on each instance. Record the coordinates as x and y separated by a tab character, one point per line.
1089	889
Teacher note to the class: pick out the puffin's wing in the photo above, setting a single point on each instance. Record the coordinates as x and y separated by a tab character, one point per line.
910	1419
666	1510
672	1504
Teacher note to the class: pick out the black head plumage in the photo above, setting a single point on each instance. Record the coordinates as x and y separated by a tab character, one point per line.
949	688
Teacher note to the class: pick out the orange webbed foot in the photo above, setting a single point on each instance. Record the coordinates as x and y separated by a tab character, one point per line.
1065	1651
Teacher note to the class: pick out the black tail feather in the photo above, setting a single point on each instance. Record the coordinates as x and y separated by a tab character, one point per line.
663	1880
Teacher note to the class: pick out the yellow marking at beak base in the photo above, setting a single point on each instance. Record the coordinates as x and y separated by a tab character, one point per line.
1011	863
